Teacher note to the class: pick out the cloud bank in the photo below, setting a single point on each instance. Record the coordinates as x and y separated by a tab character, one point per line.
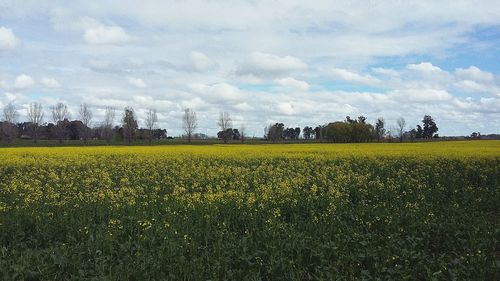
302	63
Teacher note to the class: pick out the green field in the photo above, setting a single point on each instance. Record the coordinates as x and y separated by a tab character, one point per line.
411	211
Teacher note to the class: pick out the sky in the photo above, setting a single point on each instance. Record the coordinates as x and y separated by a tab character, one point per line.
303	63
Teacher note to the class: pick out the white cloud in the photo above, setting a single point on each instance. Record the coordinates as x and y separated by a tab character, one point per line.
7	39
475	80
137	82
421	95
293	83
106	35
219	93
475	74
350	76
268	65
23	81
94	31
482	105
286	108
49	82
426	75
471	86
9	97
244	106
200	62
389	72
425	67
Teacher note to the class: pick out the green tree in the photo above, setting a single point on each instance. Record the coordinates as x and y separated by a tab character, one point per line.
419	132
379	129
430	127
129	124
307	132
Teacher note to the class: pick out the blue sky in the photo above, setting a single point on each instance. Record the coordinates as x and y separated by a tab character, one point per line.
301	63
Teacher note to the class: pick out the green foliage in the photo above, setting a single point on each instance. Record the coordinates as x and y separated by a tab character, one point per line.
349	132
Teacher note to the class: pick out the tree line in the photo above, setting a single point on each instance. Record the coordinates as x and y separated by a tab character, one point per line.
61	127
354	130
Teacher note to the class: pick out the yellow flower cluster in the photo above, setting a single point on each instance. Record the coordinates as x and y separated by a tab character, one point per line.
290	210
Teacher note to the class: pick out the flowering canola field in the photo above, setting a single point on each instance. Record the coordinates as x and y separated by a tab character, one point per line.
425	211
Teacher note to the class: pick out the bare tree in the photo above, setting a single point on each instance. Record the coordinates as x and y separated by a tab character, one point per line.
10	118
151	120
107	126
86	118
225	123
189	122
35	117
10	113
242	133
60	114
391	133
401	128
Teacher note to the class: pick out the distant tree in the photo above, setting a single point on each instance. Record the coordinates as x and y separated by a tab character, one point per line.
349	120
86	119
412	134
337	131
317	132
76	130
348	131
307	132
35	117
107	125
290	133
189	122
151	120
118	132
236	134
225	124
275	132
362	119
129	124
50	131
401	127
475	135
8	128
160	134
390	134
419	132
243	134
225	135
430	127
24	129
297	132
60	113
10	113
361	132
200	136
379	129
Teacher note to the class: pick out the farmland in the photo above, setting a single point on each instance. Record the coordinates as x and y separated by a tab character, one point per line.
408	211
